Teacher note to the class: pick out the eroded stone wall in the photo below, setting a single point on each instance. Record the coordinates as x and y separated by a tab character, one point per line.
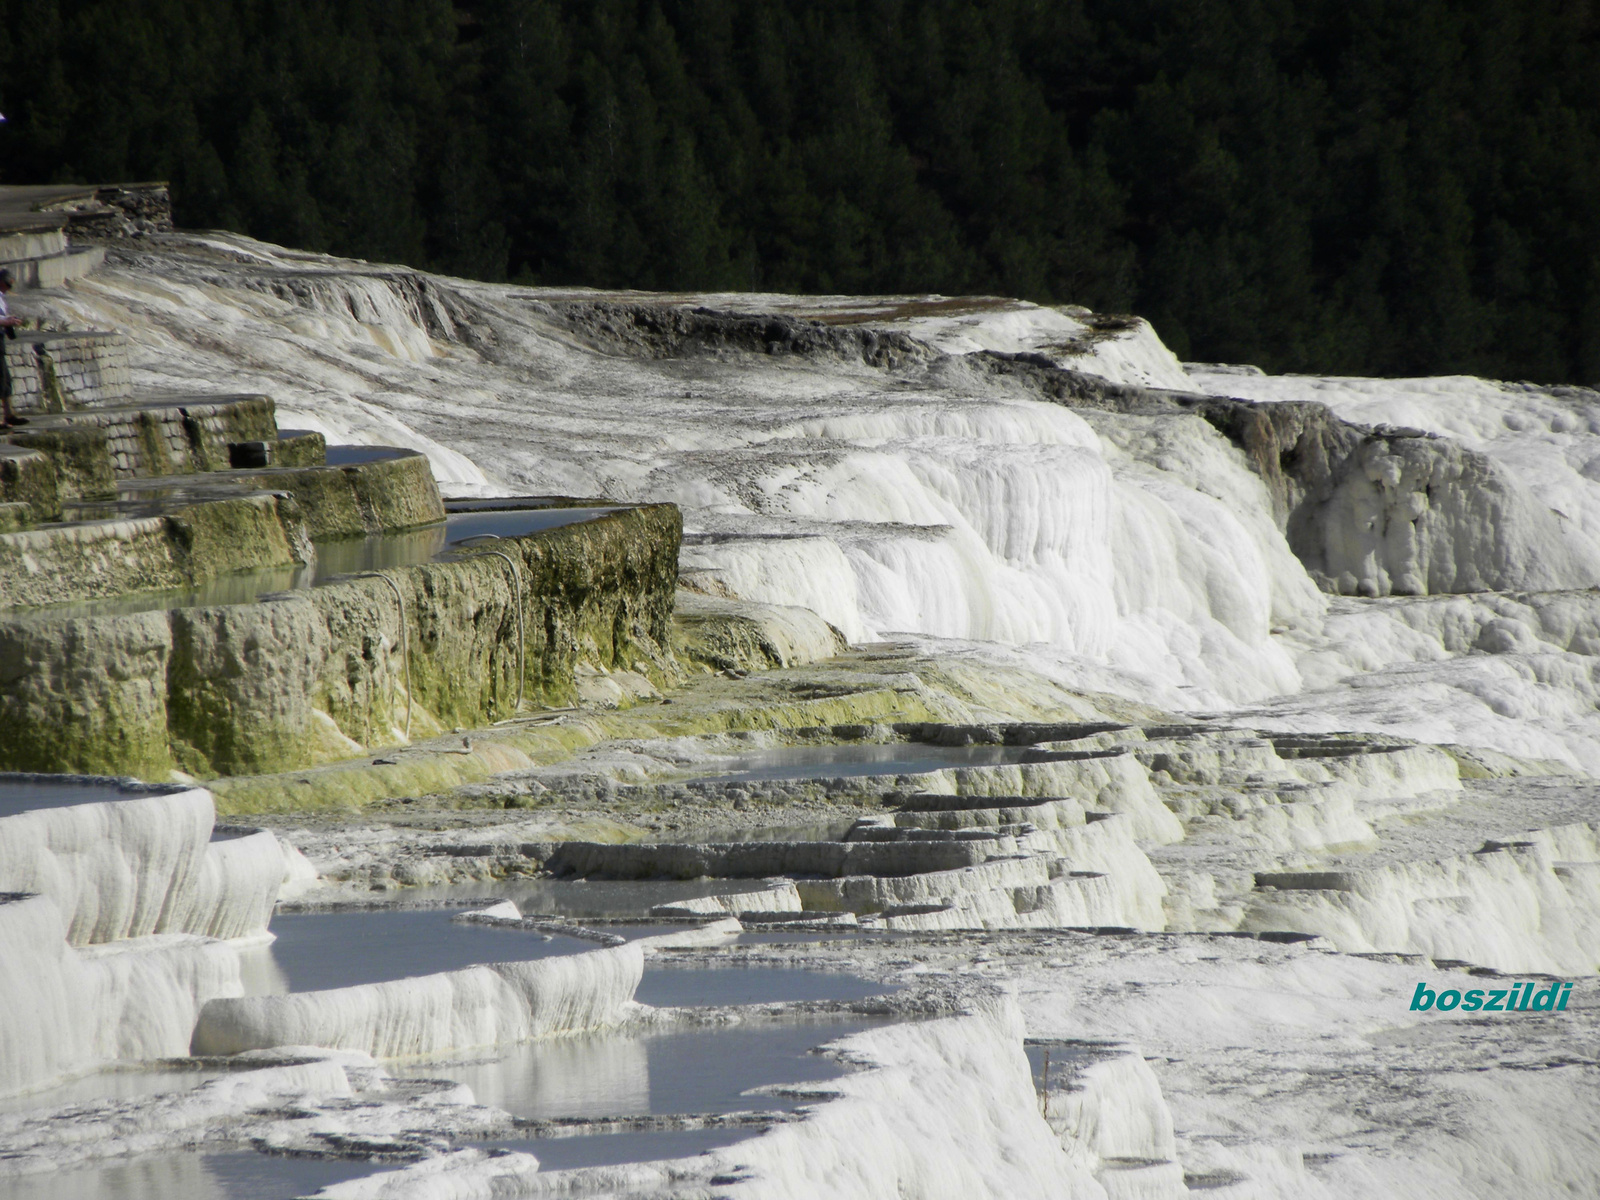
330	672
106	559
52	372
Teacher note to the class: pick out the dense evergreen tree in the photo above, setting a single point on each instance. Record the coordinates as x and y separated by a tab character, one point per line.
1367	186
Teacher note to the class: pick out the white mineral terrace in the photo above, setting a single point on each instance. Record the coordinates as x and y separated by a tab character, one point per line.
1053	799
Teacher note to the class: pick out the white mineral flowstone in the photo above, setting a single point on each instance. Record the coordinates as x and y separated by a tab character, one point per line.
1539	523
139	865
241	879
1104	879
45	1140
478	1006
1296	1071
68	1010
113	867
713	933
1533	906
1054	813
297	1101
1112	781
1112	1117
959	507
1108	846
779	896
300	877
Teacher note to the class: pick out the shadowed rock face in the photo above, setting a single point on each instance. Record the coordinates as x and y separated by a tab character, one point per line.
663	331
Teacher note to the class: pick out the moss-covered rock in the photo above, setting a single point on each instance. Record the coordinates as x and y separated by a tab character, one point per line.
299	448
358	499
96	560
86	694
28	477
239	688
210	427
229	535
396	493
320	675
80	456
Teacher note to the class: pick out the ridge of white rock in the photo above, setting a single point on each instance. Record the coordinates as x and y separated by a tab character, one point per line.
1105	1104
68	1010
779	896
404	1018
141	865
1294	1071
1531	905
1129	552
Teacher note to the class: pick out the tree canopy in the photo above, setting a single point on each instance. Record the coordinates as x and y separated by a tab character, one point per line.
1358	186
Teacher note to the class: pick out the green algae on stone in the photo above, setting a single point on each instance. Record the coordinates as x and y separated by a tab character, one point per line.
396	493
239	684
86	694
299	680
28	476
229	535
155	456
299	448
80	456
358	499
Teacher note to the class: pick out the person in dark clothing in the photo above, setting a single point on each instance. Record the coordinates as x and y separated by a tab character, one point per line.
9	324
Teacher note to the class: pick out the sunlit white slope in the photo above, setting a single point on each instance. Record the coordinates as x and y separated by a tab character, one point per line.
950	505
1290	1071
1129	553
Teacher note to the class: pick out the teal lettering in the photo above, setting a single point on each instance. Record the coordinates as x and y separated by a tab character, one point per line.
1423	999
1453	996
1473	1001
1496	1003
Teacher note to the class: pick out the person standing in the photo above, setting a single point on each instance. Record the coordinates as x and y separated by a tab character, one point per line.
9	324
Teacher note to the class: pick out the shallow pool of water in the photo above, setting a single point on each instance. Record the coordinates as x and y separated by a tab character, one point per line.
612	1149
243	587
585	898
239	1175
684	1071
349	456
321	950
350	556
827	762
23	793
675	987
517	522
132	1083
